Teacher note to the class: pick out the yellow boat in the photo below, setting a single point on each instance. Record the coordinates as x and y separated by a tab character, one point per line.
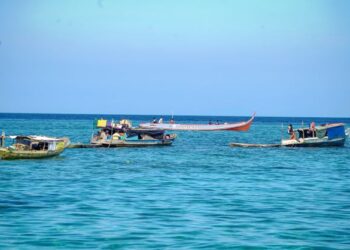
33	147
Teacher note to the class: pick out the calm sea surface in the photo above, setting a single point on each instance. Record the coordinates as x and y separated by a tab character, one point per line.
198	193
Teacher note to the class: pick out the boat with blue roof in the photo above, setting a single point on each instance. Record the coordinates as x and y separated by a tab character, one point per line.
326	135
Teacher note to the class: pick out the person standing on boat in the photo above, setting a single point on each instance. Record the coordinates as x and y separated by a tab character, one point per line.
103	135
291	132
313	129
2	139
172	121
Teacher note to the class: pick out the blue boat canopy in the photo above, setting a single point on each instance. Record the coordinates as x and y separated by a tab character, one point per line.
336	132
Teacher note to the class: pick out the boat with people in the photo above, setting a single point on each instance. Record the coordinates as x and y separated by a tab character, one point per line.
238	126
325	135
141	138
122	134
32	147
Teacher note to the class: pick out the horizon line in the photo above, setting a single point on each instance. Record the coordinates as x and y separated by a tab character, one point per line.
265	116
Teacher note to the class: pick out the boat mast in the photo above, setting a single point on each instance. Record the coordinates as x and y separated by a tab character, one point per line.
282	132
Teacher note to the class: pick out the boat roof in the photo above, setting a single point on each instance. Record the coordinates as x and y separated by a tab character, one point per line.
142	131
324	126
332	125
38	138
145	130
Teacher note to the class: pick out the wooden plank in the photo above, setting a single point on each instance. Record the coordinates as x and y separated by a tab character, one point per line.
80	145
250	145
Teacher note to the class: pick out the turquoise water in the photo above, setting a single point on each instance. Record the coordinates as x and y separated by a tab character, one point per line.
198	193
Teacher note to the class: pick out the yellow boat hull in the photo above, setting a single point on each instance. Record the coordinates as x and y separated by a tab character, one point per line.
10	154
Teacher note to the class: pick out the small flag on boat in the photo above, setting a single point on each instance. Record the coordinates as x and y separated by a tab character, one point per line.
101	123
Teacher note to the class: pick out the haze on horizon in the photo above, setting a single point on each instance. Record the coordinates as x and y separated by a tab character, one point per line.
277	58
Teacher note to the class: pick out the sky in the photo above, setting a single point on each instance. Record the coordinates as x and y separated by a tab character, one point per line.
186	57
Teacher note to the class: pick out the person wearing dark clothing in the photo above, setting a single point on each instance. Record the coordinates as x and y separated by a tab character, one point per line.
291	132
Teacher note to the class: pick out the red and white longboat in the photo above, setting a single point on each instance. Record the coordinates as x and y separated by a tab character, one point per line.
238	126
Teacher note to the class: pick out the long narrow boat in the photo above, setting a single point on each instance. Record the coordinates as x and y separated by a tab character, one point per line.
253	145
33	147
136	143
238	126
123	143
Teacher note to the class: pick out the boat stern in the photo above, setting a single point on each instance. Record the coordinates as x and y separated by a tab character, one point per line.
3	152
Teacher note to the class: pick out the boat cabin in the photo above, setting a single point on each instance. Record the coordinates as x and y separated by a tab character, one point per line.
324	135
332	131
37	143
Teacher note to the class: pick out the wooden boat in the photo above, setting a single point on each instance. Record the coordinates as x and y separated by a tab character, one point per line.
123	143
250	145
33	147
136	143
322	136
328	135
239	126
82	145
126	136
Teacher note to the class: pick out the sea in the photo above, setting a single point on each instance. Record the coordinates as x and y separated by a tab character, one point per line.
198	193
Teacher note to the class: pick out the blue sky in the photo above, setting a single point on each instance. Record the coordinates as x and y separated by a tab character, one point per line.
278	58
